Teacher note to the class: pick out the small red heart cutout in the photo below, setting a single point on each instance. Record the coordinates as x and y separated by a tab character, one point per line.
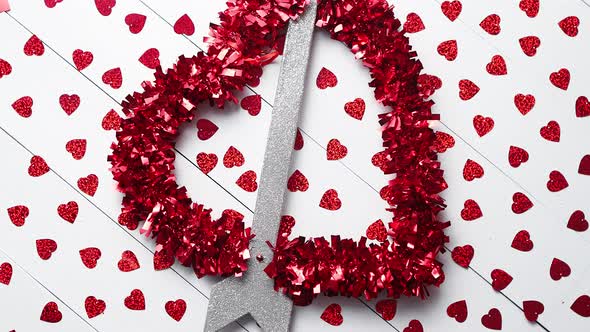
582	106
520	203
493	320
90	257
551	132
18	214
517	156
471	210
113	77
577	222
428	84
491	24
414	326
335	150
176	309
51	313
252	104
443	142
529	45
298	145
386	308
326	79
247	181
184	26
333	315
23	106
34	46
560	78
69	103
68	211
582	306
559	269
37	166
451	9
463	255
205	129
5	68
135	301
557	181
150	58
88	184
330	200
94	306
497	66
206	161
522	241
448	49
77	148
584	167
530	7
233	158
458	311
483	125
162	261
413	23
500	279
377	231
467	89
569	25
105	7
355	108
111	121
5	273
297	182
45	248
82	59
136	22
128	262
52	3
532	309
523	103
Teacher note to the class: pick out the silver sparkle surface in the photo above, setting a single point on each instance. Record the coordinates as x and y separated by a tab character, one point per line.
253	293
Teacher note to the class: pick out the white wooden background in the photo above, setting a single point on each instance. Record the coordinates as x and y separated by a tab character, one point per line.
76	24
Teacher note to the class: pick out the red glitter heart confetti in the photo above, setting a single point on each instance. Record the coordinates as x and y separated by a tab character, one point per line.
581	306
247	181
5	68
205	129
335	150
529	7
76	147
233	158
524	103
428	84
105	7
529	45
379	159
551	131
128	262
497	66
443	142
472	170
451	9
82	59
569	25
206	161
252	104
51	313
520	203
150	58
136	22
522	241
414	326
458	311
584	167
113	77
52	3
297	182
471	210
500	279
45	248
184	26
557	181
330	200
413	23
34	46
37	166
326	79
560	78
577	221
162	261
23	106
5	273
333	314
377	231
517	156
69	103
285	228
483	125
94	306
88	184
298	145
448	49
493	319
491	24
532	309
135	301
582	107
386	308
463	255
127	220
467	89
68	211
176	309
90	256
111	121
559	269
18	214
355	108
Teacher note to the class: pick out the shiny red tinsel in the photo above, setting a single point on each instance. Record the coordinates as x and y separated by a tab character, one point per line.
251	35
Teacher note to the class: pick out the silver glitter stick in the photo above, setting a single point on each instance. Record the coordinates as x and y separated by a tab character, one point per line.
253	293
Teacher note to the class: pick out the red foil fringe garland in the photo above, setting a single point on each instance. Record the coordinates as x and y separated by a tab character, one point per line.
250	35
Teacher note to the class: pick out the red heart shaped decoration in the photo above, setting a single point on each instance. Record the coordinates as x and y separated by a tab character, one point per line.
111	121
298	145
162	261
451	9
5	68
23	106
135	301
18	214
559	269
471	210
150	58
37	167
448	49
355	108
176	309
443	142
522	241
68	211
326	79
520	203
529	45
377	231
551	132
517	156
530	7
82	59
184	26
463	255
105	7
233	158
458	311
205	129
582	306
247	181
414	326
582	106
297	182
34	46
5	273
69	103
467	89
428	84
413	23
333	315
77	147
560	78
472	170
557	181
577	222
252	104
497	66
88	184
113	77
584	167
493	320
491	24
532	309
206	162
51	313
94	306
135	22
569	25
335	150
330	200
483	125
45	248
500	279
90	257
523	103
128	262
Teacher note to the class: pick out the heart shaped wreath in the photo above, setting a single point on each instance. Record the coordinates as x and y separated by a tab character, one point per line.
251	35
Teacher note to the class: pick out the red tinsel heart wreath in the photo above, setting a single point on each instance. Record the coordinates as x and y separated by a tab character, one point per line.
250	35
